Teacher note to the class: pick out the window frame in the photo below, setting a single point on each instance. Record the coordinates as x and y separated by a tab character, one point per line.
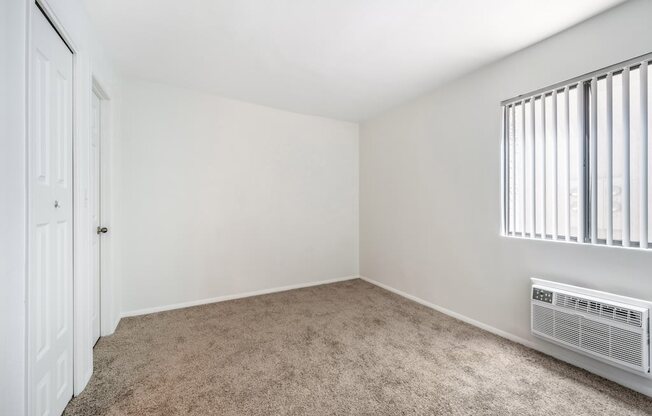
588	158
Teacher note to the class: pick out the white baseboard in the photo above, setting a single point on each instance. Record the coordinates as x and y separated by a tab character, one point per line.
188	304
636	383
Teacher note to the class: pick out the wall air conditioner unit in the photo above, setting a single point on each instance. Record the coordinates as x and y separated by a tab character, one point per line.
611	328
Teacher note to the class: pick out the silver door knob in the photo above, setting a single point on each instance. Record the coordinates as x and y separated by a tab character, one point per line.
102	230
56	204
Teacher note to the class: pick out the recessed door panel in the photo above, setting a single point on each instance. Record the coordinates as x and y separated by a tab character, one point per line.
62	269
42	272
62	89
41	106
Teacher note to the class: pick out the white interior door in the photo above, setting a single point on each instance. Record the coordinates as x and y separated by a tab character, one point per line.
96	119
50	310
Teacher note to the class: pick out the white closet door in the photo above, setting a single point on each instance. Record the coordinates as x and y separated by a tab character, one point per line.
95	213
50	221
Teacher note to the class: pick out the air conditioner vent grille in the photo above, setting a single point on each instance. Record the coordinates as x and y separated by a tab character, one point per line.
608	341
601	309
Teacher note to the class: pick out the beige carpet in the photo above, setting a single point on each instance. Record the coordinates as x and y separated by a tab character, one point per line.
342	349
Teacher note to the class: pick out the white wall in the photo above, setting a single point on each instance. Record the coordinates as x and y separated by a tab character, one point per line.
14	22
430	190
12	207
220	197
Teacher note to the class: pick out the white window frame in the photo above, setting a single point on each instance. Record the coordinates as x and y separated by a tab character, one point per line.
588	161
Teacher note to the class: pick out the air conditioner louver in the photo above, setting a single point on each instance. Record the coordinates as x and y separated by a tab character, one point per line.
609	331
604	310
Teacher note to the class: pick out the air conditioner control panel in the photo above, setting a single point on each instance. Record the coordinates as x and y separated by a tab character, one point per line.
541	295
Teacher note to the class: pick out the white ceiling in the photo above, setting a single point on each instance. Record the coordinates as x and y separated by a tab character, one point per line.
346	59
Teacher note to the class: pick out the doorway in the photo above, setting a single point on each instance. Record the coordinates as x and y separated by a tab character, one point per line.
95	207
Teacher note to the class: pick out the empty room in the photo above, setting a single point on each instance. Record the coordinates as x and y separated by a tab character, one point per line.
325	207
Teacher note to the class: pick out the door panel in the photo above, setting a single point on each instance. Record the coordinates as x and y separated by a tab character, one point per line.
50	221
95	211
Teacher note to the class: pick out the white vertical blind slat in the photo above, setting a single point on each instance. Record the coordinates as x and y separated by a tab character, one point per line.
544	150
644	149
533	170
581	179
609	158
626	178
512	179
593	159
567	188
524	168
554	165
503	166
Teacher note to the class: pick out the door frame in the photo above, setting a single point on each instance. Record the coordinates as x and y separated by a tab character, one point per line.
107	324
81	90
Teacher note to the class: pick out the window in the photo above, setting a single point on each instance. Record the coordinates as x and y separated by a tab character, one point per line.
576	159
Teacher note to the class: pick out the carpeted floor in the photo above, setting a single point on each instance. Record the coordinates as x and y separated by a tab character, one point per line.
348	348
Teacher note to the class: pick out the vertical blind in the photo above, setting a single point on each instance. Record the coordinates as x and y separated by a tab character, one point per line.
576	159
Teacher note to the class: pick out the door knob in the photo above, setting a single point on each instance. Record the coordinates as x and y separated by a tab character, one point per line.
102	230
